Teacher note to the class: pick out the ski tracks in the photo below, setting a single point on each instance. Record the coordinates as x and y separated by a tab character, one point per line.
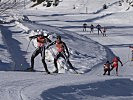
14	90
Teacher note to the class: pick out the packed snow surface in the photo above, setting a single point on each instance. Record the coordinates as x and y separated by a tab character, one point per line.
88	51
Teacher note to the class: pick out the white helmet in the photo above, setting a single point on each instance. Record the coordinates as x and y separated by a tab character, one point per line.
45	33
40	33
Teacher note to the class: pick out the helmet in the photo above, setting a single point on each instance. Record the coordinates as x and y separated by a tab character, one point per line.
40	33
107	62
58	37
45	33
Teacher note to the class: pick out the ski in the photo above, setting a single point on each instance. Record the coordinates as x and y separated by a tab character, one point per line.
77	72
29	71
37	71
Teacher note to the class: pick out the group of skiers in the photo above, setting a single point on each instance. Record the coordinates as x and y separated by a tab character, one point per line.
42	39
62	51
110	66
99	28
114	64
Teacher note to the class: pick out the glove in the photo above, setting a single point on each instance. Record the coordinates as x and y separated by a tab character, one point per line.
47	47
30	38
121	64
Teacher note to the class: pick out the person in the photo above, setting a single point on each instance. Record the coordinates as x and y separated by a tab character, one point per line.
104	6
84	26
92	28
99	28
132	52
107	68
104	31
115	64
42	39
61	48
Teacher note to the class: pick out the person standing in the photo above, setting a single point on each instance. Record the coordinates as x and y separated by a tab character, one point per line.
84	26
61	48
115	64
91	28
42	39
99	28
132	52
104	31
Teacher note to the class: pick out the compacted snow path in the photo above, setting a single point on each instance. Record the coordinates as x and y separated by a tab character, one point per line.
119	43
85	53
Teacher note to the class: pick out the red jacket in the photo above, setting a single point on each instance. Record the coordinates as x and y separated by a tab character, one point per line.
41	40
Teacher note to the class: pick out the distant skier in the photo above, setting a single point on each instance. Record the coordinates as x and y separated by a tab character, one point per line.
115	64
84	26
132	52
105	6
104	31
107	68
61	47
42	39
92	28
99	28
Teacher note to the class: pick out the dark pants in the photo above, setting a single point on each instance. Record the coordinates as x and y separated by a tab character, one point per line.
99	30
84	28
91	30
113	68
107	70
104	34
63	55
35	53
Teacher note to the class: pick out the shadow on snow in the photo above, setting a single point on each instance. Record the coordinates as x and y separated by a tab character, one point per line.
14	47
115	88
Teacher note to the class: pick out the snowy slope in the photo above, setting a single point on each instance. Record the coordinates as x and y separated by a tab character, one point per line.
86	52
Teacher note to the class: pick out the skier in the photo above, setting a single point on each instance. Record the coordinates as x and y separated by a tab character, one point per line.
115	64
84	26
99	28
107	67
61	47
92	28
42	39
105	6
132	52
104	31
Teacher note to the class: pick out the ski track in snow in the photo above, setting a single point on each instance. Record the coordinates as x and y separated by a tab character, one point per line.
92	84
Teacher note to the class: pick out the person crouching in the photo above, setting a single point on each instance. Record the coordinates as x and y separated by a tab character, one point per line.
107	68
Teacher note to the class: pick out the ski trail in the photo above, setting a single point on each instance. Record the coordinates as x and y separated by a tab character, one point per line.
113	41
68	34
12	90
120	48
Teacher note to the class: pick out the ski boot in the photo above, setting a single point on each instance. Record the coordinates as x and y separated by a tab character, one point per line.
30	69
56	71
48	72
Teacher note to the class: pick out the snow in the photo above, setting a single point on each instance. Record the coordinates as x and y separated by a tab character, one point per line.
88	52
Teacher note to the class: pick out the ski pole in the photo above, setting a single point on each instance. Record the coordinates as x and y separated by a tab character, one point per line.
26	51
28	46
125	62
70	66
